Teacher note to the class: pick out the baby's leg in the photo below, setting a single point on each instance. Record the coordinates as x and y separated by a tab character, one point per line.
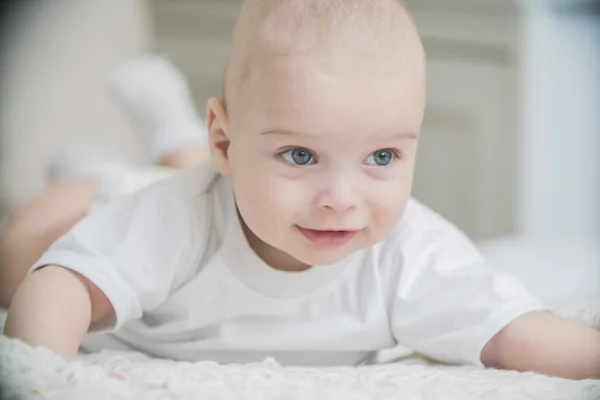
81	176
36	226
77	176
157	98
185	157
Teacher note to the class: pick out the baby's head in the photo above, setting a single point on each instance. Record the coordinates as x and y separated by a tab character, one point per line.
318	127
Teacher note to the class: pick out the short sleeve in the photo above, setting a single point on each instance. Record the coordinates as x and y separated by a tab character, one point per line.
131	248
448	303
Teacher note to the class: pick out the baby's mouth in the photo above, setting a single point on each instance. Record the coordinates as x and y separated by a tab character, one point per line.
327	237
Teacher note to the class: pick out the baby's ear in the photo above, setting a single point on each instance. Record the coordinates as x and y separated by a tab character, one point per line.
218	134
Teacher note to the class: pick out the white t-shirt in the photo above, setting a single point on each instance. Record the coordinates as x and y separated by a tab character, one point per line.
175	264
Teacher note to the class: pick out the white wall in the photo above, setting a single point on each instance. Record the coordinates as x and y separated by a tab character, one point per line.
560	158
52	87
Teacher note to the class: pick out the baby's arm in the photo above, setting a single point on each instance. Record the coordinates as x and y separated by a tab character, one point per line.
54	308
118	262
450	306
546	343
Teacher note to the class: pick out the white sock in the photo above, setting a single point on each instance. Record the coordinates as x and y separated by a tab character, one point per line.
157	97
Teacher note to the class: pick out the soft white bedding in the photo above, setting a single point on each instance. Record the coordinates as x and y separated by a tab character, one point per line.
37	373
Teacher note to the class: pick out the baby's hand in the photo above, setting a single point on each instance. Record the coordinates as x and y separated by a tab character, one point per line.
546	343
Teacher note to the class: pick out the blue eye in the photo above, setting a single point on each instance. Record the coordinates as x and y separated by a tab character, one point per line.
381	158
299	156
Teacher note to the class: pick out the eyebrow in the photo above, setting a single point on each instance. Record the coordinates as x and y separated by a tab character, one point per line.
287	132
284	132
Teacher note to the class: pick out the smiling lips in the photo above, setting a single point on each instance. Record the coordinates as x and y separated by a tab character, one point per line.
327	238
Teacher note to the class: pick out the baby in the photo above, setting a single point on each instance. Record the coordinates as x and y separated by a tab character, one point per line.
298	239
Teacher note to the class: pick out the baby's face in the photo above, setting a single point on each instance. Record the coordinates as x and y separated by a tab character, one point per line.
322	156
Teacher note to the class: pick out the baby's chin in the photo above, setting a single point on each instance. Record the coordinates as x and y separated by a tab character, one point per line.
312	255
322	256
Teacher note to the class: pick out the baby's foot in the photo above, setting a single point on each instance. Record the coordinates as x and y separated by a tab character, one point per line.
157	97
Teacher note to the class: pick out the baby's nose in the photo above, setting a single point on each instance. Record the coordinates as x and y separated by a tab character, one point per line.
338	195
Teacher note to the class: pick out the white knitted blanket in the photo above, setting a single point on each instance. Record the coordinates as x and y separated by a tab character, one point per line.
37	373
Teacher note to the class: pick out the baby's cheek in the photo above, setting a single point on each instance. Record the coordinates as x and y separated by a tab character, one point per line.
387	214
264	201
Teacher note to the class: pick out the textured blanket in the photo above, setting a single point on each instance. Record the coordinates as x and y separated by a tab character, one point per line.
37	373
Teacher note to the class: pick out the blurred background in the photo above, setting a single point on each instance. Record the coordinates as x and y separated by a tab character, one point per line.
511	140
